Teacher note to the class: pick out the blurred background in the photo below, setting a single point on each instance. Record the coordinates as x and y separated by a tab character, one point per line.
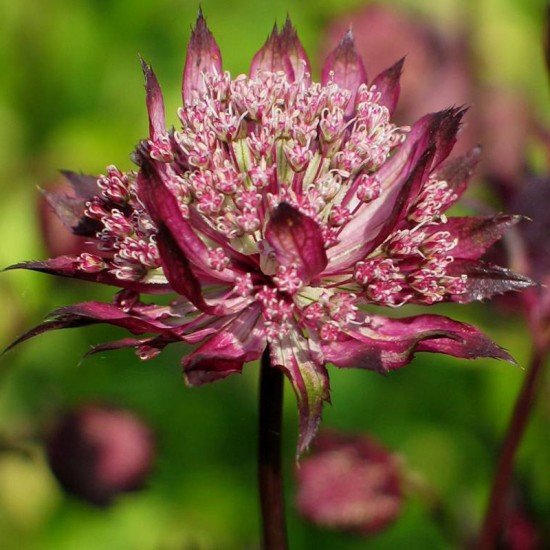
72	97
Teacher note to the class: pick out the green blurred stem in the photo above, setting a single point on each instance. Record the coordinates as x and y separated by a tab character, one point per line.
495	515
274	535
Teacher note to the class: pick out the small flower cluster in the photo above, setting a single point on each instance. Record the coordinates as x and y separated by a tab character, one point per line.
126	241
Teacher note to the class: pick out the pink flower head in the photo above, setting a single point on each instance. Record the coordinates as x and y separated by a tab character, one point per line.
350	483
98	452
277	213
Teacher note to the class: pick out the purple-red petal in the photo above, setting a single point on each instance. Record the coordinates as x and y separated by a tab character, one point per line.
153	184
458	171
297	240
177	269
388	85
65	266
296	53
309	380
408	168
345	66
155	103
89	313
203	56
475	235
392	343
485	280
240	341
284	52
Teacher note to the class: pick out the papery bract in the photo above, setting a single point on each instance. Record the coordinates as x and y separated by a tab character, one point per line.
277	213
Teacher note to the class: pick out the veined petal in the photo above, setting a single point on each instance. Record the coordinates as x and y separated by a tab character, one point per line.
458	172
240	341
283	51
445	136
184	281
433	130
475	235
178	270
203	326
84	185
486	280
399	176
296	53
65	266
147	348
268	55
309	380
389	344
296	239
89	313
155	103
70	210
371	225
388	85
163	207
345	66
203	56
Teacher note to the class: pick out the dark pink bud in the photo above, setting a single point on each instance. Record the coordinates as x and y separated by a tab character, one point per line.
97	452
349	483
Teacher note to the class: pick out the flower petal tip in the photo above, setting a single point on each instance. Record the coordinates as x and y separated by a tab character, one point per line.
155	103
345	67
388	85
283	51
203	57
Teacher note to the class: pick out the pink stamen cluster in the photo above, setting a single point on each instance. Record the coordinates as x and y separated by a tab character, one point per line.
248	144
126	243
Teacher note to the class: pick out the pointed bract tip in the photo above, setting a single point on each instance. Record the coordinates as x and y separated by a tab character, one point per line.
200	22
288	28
347	37
154	101
203	57
388	85
200	32
283	51
345	66
151	82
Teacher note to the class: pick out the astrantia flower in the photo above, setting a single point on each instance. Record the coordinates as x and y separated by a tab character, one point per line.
98	452
350	483
276	213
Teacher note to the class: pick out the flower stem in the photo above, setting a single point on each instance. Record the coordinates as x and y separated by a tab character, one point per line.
494	518
269	456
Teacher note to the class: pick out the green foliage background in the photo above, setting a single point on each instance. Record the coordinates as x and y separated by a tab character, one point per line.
71	96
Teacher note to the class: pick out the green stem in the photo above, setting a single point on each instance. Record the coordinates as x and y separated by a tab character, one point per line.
274	535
